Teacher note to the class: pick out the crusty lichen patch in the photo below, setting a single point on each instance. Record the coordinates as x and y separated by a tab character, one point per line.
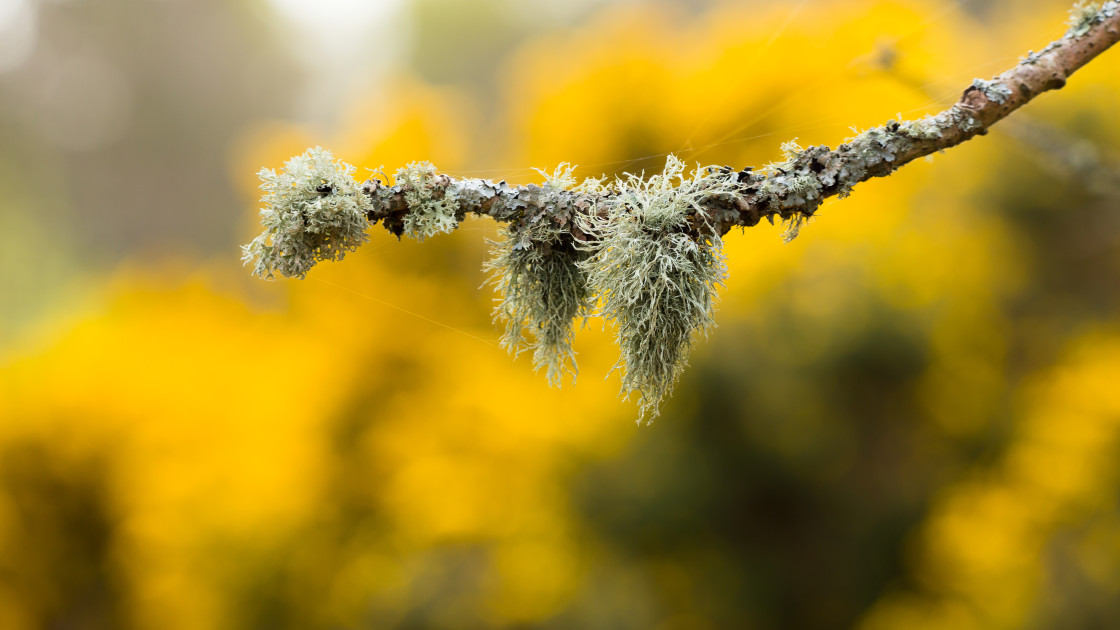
995	91
430	212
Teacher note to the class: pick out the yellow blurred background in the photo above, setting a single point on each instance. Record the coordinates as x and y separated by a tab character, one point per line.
907	418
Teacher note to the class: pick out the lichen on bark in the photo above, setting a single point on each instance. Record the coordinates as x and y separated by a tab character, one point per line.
312	211
543	288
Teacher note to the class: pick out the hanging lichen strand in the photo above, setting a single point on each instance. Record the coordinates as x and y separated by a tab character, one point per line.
535	268
656	272
648	251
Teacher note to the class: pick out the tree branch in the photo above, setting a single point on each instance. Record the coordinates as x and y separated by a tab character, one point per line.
644	253
796	188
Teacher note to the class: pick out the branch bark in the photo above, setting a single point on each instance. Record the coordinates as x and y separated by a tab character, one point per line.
642	252
797	187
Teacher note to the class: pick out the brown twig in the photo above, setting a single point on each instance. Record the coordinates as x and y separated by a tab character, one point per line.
797	187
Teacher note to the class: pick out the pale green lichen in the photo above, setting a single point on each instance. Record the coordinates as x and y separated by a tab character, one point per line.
542	287
791	149
543	290
313	210
994	90
656	273
925	128
429	213
1082	17
562	178
793	227
783	189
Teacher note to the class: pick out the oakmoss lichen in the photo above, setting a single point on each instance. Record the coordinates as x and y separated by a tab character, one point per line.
656	273
312	211
429	213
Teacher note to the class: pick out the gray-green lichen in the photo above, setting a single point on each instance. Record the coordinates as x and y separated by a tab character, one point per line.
1085	14
430	212
312	211
880	150
926	128
656	273
994	90
543	288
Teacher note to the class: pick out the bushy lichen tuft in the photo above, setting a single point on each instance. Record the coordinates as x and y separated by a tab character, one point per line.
430	212
312	211
656	274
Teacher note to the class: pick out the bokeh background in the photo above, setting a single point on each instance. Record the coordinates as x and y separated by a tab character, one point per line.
909	417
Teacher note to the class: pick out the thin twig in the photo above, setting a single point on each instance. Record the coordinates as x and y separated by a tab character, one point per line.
797	187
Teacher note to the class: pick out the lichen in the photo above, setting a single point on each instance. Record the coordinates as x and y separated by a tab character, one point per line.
791	149
785	191
793	227
1084	15
312	211
429	212
543	290
656	273
562	178
994	90
926	128
535	268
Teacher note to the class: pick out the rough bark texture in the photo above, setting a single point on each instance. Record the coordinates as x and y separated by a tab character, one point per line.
796	187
